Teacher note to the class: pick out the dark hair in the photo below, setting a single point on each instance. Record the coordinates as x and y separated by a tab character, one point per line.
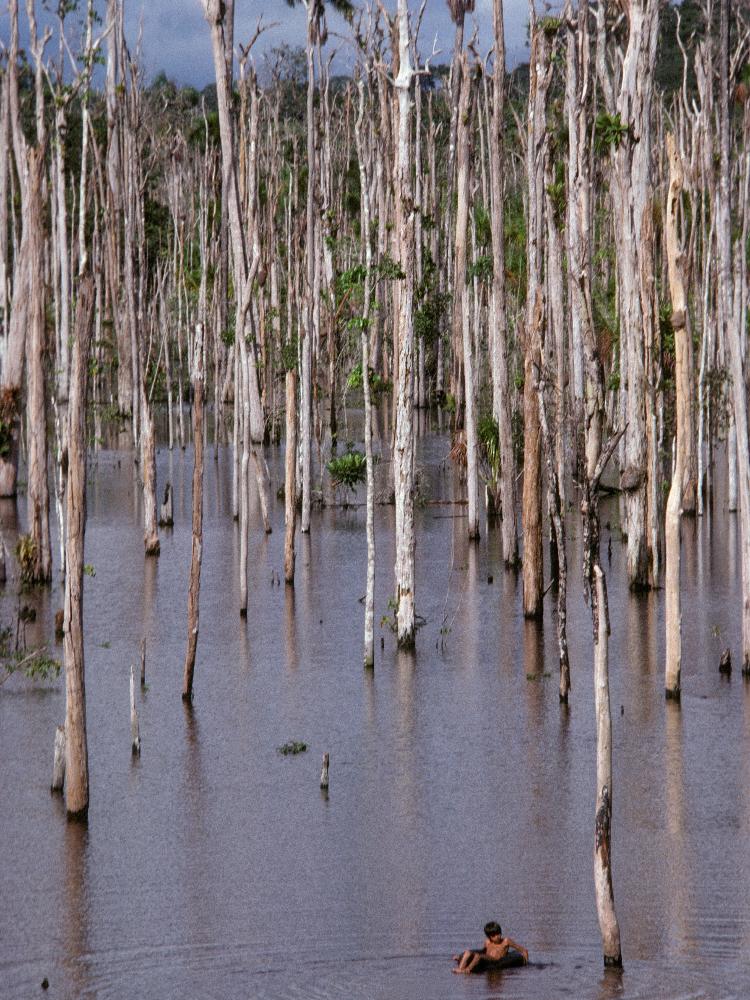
493	927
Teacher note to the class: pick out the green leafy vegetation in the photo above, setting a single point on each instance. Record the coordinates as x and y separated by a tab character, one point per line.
291	748
348	469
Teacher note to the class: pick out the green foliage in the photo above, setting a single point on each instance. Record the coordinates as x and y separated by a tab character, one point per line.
6	438
515	244
26	555
609	132
666	330
289	354
89	570
35	666
481	268
227	336
390	618
488	435
550	25
557	193
482	225
377	383
389	270
351	279
291	748
348	469
428	317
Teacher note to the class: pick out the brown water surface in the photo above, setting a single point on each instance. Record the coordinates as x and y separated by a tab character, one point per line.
213	867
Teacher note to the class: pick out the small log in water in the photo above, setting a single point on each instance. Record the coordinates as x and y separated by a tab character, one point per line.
143	662
324	772
135	734
725	663
58	766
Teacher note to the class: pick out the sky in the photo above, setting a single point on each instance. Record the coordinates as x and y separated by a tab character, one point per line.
175	36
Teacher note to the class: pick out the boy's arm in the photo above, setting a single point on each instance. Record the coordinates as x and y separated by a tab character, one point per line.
517	947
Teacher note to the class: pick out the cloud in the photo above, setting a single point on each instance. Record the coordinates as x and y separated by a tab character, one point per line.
176	39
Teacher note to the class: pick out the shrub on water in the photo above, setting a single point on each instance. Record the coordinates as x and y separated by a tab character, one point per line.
348	469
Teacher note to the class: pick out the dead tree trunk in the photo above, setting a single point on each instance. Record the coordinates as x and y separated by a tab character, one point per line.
673	620
461	306
36	405
531	510
403	454
76	746
196	556
501	403
365	171
605	899
631	161
148	471
290	474
734	325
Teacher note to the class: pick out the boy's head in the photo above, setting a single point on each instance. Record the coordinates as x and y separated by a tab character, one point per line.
493	929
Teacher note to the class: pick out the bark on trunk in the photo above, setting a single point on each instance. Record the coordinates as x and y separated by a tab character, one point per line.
461	306
536	139
673	621
290	475
196	556
76	746
36	407
403	455
148	471
605	899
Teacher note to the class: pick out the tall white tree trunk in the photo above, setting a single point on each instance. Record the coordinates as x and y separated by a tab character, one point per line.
605	898
196	556
734	325
631	162
673	619
365	167
461	318
403	453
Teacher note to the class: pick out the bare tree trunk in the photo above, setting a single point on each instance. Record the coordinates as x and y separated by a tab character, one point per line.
501	400
461	306
36	408
148	471
673	619
290	475
734	325
531	510
365	167
305	422
403	453
605	899
120	315
76	746
196	556
631	158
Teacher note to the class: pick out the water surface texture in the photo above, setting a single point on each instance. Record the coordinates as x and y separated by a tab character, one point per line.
214	867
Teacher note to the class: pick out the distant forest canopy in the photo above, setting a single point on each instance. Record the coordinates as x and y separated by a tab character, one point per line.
170	108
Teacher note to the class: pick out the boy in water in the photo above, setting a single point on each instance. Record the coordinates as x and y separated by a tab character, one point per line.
496	947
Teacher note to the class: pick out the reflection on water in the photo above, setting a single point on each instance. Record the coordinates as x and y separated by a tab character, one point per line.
461	790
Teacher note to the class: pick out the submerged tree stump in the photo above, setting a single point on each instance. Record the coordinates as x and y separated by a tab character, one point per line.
166	510
58	766
135	734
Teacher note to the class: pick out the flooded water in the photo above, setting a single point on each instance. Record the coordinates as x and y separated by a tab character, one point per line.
460	791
